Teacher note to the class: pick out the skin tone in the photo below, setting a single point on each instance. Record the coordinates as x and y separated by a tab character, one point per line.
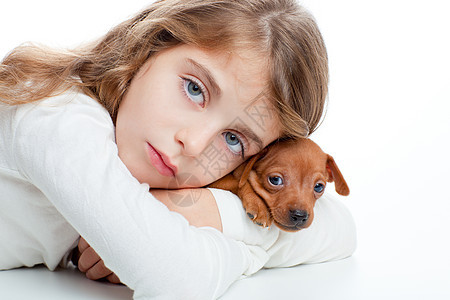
183	102
183	105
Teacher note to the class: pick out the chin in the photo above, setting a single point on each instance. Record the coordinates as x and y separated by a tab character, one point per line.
181	181
157	183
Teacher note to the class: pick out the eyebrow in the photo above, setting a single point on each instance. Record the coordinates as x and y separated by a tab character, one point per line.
207	74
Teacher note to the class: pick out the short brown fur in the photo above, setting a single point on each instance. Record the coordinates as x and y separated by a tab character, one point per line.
301	165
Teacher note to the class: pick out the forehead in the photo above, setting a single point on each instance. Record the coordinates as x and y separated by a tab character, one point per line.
302	153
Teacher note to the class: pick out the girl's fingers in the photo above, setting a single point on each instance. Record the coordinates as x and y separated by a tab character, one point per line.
90	263
82	245
113	278
88	259
98	271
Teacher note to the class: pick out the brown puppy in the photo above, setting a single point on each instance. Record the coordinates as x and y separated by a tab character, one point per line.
282	183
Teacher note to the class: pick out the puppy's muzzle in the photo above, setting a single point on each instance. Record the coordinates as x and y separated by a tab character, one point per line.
298	217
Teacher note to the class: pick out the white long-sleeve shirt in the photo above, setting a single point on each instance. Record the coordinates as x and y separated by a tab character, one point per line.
61	177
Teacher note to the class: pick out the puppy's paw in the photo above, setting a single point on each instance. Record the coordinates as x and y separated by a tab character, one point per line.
256	209
261	218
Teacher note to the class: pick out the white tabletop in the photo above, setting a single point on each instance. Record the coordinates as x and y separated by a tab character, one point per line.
348	279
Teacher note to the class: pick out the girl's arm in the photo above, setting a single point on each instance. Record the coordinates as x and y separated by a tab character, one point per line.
332	235
198	207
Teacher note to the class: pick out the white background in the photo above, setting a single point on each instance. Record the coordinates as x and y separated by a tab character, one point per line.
387	126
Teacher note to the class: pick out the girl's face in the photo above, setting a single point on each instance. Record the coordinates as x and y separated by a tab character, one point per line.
190	117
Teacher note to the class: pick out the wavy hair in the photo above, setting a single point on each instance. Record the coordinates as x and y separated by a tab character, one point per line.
281	30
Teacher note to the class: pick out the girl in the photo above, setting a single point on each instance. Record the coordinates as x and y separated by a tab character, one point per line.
175	97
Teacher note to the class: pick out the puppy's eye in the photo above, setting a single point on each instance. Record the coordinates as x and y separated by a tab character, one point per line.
275	180
319	188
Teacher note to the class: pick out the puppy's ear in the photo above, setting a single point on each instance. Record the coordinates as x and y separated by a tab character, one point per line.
334	174
249	165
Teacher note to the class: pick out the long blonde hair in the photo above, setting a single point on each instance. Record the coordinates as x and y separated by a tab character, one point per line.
279	29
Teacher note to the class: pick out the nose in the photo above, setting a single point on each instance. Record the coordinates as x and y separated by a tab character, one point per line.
195	140
298	217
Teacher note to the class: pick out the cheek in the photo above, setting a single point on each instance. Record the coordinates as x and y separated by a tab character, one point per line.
212	164
128	123
228	167
144	110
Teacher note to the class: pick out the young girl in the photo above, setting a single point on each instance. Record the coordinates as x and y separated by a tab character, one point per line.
175	97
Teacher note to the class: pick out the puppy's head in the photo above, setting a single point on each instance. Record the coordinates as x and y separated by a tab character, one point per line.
290	176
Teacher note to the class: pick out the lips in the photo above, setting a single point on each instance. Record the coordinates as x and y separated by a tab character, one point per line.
161	162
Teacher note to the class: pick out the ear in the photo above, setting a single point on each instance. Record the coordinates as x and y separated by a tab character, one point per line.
334	174
249	165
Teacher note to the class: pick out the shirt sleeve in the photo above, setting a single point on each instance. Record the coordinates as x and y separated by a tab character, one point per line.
331	236
238	226
67	149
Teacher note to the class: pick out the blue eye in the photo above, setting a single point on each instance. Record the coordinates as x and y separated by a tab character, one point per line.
194	91
234	143
319	188
275	180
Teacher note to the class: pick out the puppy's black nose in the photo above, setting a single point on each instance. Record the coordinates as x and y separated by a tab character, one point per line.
298	217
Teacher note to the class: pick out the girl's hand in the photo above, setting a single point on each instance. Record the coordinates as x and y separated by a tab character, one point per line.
90	263
197	205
